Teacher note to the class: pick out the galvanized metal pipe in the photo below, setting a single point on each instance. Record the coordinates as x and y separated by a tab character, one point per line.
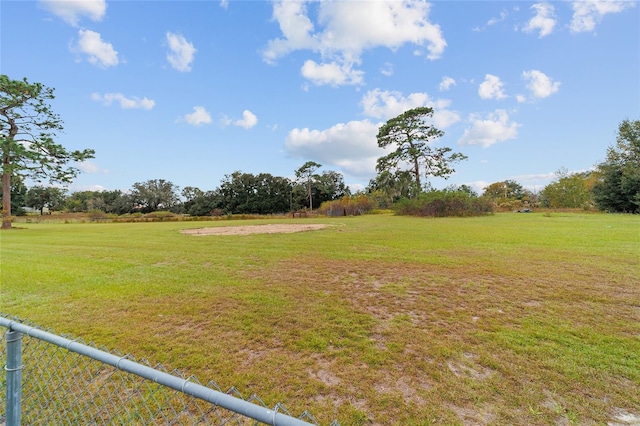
240	406
14	377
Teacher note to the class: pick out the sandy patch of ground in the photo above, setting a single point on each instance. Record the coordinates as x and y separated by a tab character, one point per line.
255	229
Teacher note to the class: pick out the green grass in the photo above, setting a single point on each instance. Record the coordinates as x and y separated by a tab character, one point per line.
509	319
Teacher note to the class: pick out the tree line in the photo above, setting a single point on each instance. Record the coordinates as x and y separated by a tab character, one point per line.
28	128
238	193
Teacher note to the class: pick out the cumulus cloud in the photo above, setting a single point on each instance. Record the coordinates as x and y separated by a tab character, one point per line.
491	88
493	128
248	120
387	104
333	74
198	117
446	83
544	20
181	52
352	147
126	103
346	29
540	85
586	14
72	10
99	52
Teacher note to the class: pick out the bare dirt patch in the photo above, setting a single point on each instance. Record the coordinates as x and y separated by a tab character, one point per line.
255	229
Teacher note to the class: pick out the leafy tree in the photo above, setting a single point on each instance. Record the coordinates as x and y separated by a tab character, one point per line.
466	189
40	197
567	191
507	190
204	204
305	176
411	137
27	130
274	193
155	194
618	189
79	200
106	201
388	188
191	194
259	194
120	203
329	186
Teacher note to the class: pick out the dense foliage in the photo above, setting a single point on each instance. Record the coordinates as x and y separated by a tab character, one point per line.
446	202
568	191
618	189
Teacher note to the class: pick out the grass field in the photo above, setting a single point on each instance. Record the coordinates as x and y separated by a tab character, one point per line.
521	319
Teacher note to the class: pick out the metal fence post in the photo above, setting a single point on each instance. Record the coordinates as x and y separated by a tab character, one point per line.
14	377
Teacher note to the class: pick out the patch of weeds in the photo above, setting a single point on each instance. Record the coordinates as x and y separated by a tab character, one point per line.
356	417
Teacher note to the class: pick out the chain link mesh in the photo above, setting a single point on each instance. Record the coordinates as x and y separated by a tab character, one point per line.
65	388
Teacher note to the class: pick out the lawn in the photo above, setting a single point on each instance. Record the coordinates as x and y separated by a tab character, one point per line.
522	319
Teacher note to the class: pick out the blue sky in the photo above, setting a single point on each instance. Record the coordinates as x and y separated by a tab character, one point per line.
189	91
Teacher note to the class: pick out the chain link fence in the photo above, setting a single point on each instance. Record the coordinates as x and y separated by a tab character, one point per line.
60	380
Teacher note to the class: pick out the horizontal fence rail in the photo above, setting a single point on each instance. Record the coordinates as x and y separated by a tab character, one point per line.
45	382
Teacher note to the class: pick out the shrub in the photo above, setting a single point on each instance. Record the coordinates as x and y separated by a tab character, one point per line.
347	206
442	203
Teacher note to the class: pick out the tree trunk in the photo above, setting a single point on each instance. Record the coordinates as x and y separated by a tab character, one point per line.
417	173
6	200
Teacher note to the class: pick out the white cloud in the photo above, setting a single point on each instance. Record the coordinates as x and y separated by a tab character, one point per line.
248	120
82	188
347	28
446	83
126	103
540	85
521	98
387	104
90	167
387	69
181	52
224	4
72	10
478	186
99	52
586	14
491	88
495	127
296	28
493	21
198	117
533	177
352	147
544	21
333	74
